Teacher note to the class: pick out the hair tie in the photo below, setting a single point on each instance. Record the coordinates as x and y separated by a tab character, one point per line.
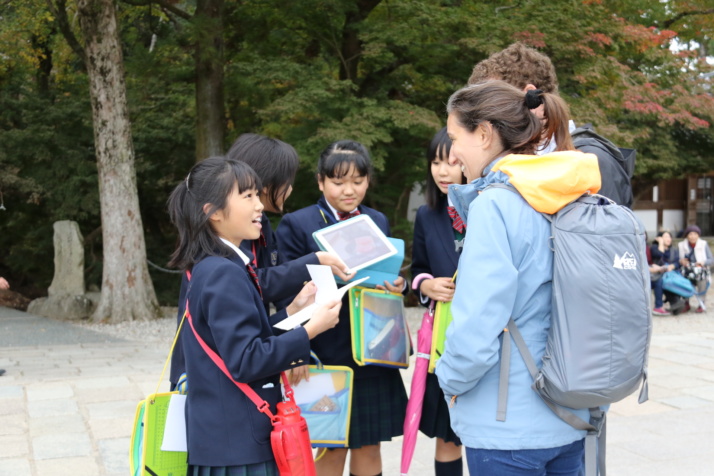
187	178
534	98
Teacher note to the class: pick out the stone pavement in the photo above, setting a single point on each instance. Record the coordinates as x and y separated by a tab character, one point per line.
68	399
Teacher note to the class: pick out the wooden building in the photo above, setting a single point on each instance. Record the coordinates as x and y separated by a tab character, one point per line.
673	204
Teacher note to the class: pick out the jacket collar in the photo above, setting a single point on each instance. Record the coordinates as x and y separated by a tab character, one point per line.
446	233
547	182
238	251
461	196
330	212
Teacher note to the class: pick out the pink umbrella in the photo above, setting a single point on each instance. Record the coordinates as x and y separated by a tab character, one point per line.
416	396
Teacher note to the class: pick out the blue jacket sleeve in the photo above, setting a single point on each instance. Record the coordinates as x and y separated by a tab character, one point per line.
237	327
420	257
291	239
420	261
286	279
485	294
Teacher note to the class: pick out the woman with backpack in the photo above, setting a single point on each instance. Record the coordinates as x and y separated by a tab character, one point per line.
505	271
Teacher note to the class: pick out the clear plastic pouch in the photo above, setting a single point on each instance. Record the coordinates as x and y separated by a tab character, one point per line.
380	334
325	402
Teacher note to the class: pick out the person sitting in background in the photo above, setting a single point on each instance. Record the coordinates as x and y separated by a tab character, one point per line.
696	259
663	259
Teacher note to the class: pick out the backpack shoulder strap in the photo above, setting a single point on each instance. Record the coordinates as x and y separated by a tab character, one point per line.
595	439
511	331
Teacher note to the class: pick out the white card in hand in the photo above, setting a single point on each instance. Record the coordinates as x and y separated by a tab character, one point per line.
305	315
324	281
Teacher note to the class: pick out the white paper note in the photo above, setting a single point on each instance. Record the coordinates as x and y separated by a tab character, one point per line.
324	281
175	429
305	315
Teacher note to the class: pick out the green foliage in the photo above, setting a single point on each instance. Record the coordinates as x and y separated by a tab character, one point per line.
47	173
282	78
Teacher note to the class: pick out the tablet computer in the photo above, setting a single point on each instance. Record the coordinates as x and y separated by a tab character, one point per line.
358	242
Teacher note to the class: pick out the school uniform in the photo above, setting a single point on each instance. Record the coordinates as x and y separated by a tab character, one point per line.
379	398
279	281
224	428
279	278
435	251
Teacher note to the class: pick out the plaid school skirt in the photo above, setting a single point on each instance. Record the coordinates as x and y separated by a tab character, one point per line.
379	404
267	468
435	422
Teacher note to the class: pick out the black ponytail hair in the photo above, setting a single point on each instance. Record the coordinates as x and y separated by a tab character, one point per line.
210	181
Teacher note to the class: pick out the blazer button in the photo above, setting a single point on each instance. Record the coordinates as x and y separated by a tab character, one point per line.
292	363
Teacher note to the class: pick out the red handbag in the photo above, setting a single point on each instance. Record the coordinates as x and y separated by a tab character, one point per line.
289	439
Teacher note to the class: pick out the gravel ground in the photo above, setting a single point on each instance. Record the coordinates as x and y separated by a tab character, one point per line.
158	330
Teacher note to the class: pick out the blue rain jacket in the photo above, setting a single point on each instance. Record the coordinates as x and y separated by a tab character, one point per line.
505	270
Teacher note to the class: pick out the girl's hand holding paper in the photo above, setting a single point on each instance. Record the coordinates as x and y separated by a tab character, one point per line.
325	317
305	298
327	298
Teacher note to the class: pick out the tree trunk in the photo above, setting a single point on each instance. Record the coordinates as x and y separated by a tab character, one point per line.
210	110
351	50
127	290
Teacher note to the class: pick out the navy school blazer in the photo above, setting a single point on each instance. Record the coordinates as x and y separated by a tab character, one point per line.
433	249
294	233
224	428
279	280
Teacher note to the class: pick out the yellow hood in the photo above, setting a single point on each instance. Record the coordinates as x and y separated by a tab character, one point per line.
549	182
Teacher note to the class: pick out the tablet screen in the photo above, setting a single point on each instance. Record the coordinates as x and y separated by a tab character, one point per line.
357	241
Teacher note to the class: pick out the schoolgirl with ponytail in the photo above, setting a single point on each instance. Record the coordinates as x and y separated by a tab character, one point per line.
214	209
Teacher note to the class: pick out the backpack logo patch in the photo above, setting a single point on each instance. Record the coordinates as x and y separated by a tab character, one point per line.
626	261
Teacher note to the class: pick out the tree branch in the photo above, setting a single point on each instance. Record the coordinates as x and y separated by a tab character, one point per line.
351	45
500	9
681	15
371	80
59	11
167	6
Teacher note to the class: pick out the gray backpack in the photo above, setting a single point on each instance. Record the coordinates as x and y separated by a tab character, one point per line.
598	343
617	165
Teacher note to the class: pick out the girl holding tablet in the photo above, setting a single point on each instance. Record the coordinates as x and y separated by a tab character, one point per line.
379	399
